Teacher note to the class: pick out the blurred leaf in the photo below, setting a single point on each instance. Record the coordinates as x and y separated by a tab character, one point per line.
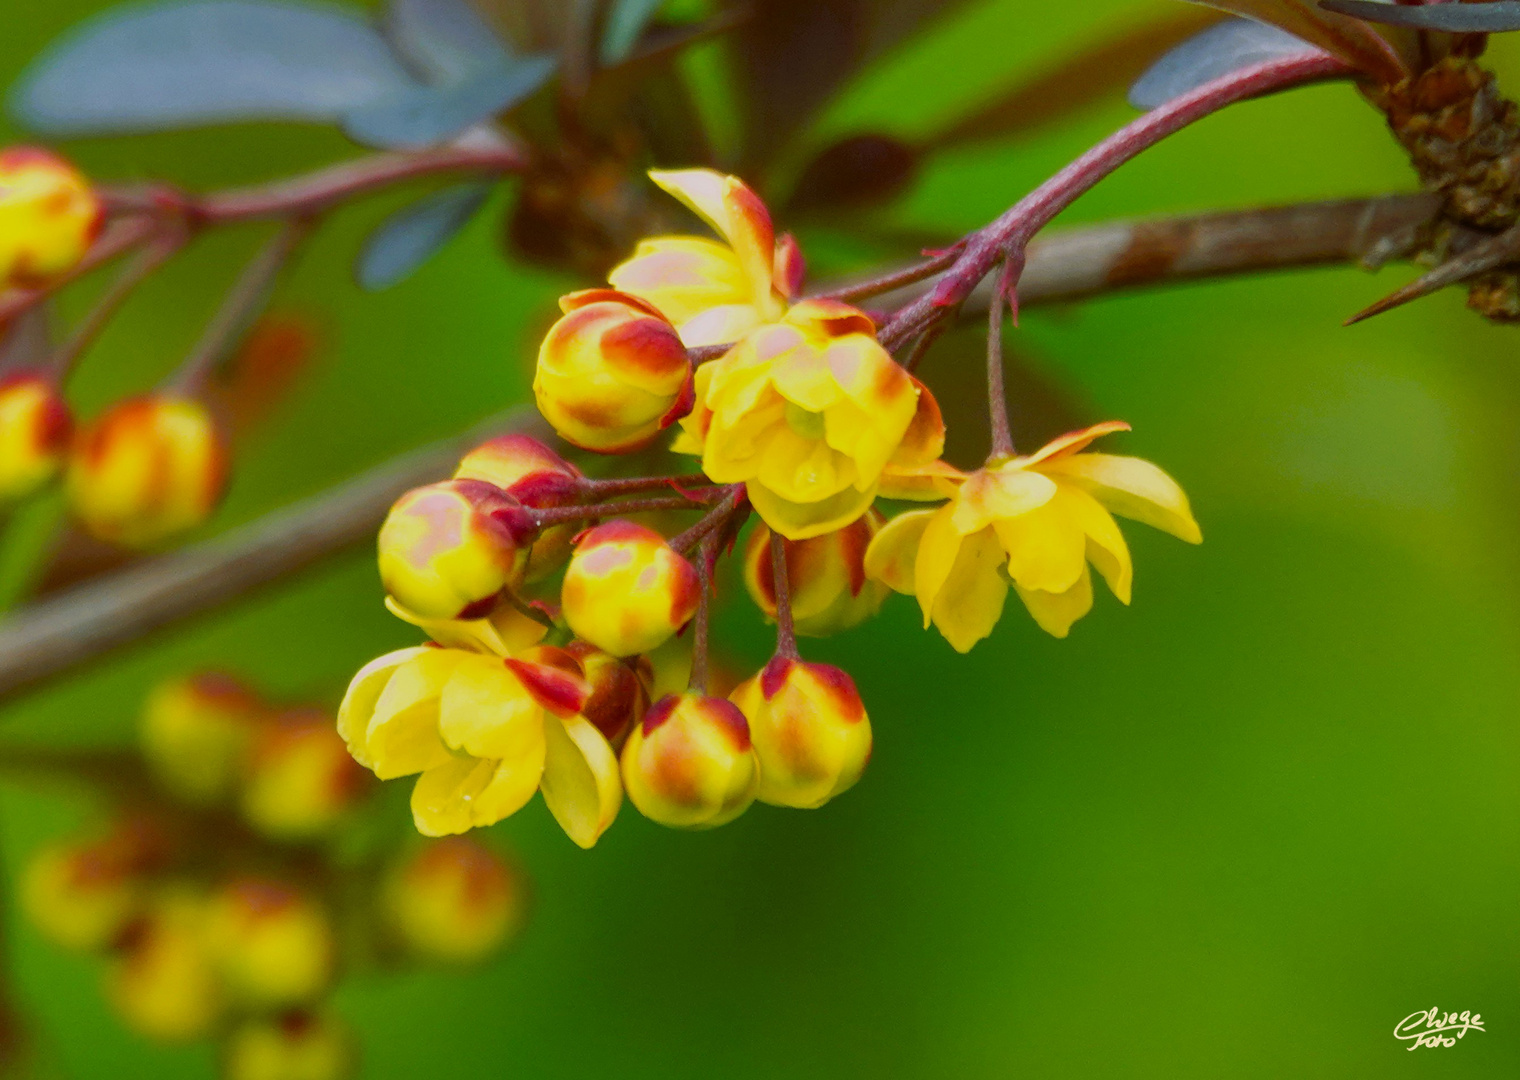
445	40
411	236
1484	17
1213	54
792	56
183	64
625	22
1096	72
1388	54
426	115
854	172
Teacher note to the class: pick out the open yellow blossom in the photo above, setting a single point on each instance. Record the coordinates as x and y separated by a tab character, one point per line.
714	292
1037	521
808	412
486	720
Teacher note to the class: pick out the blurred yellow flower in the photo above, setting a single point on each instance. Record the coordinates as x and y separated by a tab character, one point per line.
1037	521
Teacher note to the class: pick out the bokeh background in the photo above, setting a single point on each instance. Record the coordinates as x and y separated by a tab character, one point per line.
1238	830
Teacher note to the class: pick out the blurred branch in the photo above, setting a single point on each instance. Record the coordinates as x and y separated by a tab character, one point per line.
48	639
63	633
1079	263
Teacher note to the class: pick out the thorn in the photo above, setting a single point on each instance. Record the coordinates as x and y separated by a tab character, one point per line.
1495	251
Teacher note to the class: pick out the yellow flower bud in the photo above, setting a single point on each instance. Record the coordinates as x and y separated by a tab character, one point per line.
296	1045
830	591
618	698
162	982
810	731
455	901
49	217
83	895
626	591
149	468
689	763
300	780
448	550
195	734
272	945
612	373
537	477
35	428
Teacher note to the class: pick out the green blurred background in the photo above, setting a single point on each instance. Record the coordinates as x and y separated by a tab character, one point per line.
1238	830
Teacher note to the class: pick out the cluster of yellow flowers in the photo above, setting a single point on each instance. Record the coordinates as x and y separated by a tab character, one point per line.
796	411
147	469
207	929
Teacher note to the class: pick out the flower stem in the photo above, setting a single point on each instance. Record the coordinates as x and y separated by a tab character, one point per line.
862	290
617	485
707	555
148	260
997	394
555	515
717	516
786	630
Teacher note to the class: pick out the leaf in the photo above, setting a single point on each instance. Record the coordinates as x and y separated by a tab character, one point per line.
1492	17
427	115
445	40
411	236
855	172
1388	55
1082	79
1218	51
625	23
184	64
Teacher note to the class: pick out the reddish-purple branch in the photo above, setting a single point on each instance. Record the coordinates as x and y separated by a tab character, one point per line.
1014	229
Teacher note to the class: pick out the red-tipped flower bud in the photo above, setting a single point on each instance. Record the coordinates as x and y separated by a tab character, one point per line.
618	698
626	591
827	576
537	477
612	373
689	764
49	217
162	981
455	901
300	781
35	428
271	944
448	550
147	469
810	731
83	895
195	734
296	1045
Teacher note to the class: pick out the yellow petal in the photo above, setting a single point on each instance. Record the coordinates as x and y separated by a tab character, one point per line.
442	796
938	548
403	733
801	521
1071	443
358	706
506	632
1055	612
1000	493
485	712
893	552
930	482
970	602
682	276
1046	547
1132	488
581	784
737	214
719	325
1106	548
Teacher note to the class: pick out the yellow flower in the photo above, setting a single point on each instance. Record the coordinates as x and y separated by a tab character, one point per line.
195	734
689	763
455	901
162	981
810	731
149	468
714	292
83	894
295	1045
272	945
626	591
299	781
486	720
1036	521
808	413
49	217
830	591
35	427
612	374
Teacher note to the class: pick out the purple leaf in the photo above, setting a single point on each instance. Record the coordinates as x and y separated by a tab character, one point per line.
625	23
444	40
178	65
1477	18
428	115
1218	51
411	236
